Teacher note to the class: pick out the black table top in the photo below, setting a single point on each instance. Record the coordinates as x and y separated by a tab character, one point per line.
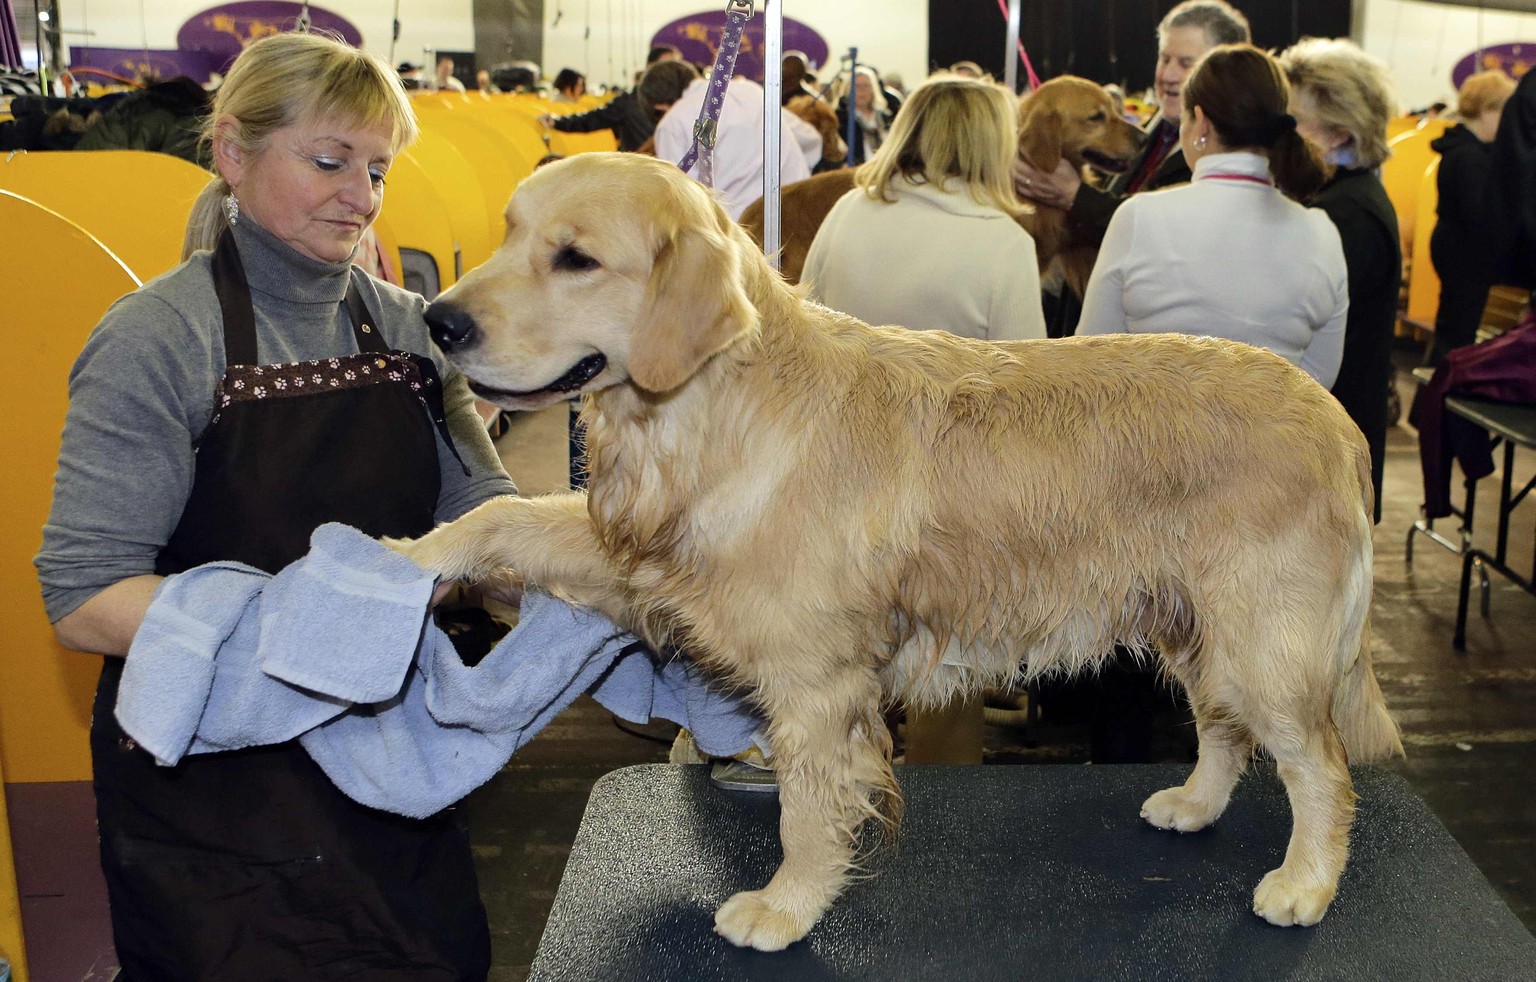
1513	421
1025	872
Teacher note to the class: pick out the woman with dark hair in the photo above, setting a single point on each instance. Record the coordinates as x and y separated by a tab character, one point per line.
1233	254
570	86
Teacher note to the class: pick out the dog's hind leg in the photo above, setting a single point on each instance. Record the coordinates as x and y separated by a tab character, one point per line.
831	753
1311	761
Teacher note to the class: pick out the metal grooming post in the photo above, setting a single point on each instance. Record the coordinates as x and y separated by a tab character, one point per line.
1011	55
853	101
773	125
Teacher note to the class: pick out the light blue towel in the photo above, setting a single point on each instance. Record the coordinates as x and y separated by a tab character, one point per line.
359	657
338	651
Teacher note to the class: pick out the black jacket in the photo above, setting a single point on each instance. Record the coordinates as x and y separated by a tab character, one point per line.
622	114
165	117
1458	243
1511	200
1358	206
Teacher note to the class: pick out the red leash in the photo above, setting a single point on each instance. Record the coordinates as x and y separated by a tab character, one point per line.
1034	80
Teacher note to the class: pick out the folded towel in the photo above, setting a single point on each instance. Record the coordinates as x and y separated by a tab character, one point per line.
383	595
222	663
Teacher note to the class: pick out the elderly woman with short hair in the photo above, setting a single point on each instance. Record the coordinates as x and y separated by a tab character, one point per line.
1342	99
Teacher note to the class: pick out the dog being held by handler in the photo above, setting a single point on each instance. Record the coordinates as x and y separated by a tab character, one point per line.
1067	118
832	515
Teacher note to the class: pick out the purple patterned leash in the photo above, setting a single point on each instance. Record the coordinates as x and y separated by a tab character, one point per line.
737	13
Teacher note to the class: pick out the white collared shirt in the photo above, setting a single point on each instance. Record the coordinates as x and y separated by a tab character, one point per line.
931	260
1226	256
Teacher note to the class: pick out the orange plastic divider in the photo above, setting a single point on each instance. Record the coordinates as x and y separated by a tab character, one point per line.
134	201
497	160
1402	176
57	280
1423	281
458	184
416	217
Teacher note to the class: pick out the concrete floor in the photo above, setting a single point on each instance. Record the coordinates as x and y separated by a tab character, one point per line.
1469	724
1469	719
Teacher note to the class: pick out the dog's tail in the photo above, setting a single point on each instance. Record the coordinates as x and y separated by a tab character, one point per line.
1359	709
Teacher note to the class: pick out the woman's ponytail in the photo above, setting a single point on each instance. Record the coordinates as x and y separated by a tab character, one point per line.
1297	166
207	221
1245	96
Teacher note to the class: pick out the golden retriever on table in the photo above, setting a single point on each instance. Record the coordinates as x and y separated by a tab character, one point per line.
832	514
1067	118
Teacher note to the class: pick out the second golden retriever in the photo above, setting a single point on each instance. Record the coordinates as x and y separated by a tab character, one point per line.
831	514
1066	118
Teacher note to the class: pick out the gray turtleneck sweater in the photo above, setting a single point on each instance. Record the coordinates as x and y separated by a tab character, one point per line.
142	391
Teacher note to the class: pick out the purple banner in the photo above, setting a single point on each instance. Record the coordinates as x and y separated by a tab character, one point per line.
1513	59
224	30
697	36
136	64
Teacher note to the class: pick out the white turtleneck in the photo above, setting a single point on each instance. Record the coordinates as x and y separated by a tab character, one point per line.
1225	256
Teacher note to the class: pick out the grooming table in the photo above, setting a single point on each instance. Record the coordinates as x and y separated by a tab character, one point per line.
1038	872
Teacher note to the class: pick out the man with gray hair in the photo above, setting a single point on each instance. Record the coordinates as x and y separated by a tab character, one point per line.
1188	31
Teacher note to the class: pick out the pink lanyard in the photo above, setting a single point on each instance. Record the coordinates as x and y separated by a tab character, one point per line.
1238	177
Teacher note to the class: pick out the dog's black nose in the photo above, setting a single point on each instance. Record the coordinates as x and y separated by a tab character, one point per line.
451	327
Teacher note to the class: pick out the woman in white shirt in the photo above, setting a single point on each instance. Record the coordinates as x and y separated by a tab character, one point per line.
1232	254
928	237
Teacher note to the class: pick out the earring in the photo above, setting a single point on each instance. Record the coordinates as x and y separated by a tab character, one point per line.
231	208
1199	145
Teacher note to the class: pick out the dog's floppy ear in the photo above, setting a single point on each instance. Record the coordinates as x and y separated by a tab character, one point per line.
694	307
1040	137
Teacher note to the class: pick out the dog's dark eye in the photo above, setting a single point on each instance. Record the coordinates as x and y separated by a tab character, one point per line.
1097	117
572	258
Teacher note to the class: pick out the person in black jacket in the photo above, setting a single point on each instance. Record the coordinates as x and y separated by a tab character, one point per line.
1457	245
1342	99
623	114
1184	36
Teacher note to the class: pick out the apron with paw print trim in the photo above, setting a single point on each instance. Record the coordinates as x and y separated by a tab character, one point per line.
250	865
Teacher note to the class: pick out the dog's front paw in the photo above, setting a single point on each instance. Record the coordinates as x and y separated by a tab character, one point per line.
1285	900
427	552
1176	809
747	920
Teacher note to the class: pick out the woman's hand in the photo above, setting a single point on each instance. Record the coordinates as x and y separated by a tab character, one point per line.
1055	189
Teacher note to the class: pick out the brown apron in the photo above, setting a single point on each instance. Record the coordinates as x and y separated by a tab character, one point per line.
250	865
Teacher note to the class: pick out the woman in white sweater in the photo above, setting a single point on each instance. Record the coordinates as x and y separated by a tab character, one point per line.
928	239
1231	254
